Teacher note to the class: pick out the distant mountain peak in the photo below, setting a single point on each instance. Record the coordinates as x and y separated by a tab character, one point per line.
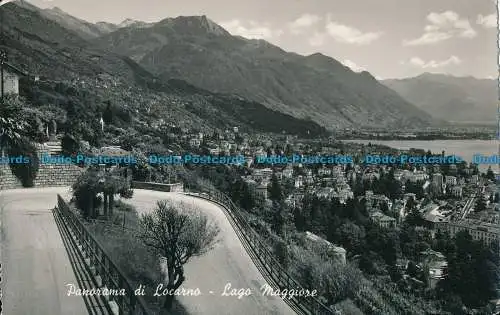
367	74
128	21
445	96
131	22
317	55
433	74
104	23
57	9
199	51
199	24
321	60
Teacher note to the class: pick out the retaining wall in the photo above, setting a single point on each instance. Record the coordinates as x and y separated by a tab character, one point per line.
48	175
177	187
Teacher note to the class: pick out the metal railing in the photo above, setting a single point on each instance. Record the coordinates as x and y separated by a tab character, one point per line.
272	268
112	277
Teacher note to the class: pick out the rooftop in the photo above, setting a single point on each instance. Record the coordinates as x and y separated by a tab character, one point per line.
478	225
9	67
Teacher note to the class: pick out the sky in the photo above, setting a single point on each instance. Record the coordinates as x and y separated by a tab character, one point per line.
388	38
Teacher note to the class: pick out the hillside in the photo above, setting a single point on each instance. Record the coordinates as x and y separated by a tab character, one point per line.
456	99
42	46
195	49
81	27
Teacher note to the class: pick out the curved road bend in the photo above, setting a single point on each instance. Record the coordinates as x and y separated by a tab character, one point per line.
36	267
228	262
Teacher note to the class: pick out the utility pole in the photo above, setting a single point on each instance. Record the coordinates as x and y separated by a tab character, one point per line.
3	59
3	54
498	86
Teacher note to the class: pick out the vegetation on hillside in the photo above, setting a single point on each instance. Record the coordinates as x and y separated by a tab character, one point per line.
177	233
202	53
370	280
93	182
16	132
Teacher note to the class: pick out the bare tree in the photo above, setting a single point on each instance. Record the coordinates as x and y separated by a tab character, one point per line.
177	232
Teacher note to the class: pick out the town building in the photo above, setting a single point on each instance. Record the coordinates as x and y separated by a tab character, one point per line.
433	216
261	190
288	172
299	182
437	183
262	174
195	142
383	220
11	76
418	176
450	180
479	230
474	179
456	191
435	265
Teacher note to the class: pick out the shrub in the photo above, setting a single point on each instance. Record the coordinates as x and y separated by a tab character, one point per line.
108	113
85	191
124	207
25	172
282	253
127	193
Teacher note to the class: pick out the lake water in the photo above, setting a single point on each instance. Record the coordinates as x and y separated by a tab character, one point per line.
462	148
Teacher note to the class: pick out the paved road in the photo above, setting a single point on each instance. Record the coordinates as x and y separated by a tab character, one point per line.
468	207
35	264
36	267
228	262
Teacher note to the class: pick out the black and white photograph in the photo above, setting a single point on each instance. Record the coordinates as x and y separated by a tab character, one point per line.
310	157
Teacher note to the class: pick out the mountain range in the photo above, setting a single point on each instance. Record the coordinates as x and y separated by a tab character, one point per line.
198	51
66	61
83	28
455	99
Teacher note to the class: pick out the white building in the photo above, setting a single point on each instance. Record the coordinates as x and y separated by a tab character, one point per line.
214	151
324	171
262	174
195	142
474	179
479	230
288	172
457	191
261	190
437	178
451	180
299	181
418	176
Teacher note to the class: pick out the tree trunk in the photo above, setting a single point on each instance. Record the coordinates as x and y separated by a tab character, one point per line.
169	301
111	204
91	206
175	279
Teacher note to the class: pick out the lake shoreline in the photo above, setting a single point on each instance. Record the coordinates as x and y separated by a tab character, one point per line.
463	148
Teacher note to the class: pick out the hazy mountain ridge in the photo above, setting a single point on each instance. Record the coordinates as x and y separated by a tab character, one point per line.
201	52
47	48
456	99
84	29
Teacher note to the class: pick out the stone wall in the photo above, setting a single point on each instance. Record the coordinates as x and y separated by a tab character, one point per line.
48	175
177	187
